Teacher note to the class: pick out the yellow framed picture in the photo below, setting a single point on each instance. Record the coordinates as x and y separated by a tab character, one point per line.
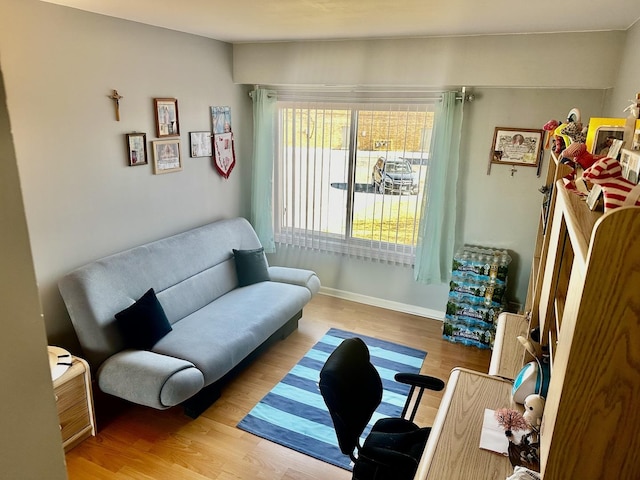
602	131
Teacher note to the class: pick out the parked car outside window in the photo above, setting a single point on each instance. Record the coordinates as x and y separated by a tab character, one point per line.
394	176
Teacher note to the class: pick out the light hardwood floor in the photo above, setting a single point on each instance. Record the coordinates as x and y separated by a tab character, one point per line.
142	443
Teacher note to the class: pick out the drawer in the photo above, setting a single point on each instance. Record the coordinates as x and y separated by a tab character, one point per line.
70	394
73	420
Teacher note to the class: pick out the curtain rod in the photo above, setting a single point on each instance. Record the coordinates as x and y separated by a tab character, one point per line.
464	95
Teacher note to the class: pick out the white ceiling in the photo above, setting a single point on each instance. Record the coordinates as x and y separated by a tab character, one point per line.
282	20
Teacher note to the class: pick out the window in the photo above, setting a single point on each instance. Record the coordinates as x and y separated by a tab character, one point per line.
350	178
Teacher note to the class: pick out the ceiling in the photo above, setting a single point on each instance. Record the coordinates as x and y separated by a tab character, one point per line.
285	20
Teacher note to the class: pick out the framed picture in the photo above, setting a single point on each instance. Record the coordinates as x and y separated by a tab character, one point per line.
516	146
167	122
221	119
595	198
137	149
166	156
604	137
201	144
630	164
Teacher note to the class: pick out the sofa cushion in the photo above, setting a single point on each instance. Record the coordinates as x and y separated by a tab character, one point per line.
230	328
143	323
251	266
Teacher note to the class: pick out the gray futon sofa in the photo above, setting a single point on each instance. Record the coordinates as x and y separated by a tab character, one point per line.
214	327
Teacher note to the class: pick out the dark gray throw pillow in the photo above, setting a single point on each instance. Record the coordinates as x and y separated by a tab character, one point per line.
143	323
251	266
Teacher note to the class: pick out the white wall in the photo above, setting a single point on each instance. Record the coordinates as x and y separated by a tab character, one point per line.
627	83
519	81
544	60
82	200
30	442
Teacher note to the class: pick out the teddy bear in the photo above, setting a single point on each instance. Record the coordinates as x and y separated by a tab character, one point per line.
618	191
533	409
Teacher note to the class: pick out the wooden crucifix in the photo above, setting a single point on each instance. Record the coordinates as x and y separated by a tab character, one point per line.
115	96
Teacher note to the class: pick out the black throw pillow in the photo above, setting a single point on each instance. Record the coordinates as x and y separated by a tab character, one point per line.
251	266
143	323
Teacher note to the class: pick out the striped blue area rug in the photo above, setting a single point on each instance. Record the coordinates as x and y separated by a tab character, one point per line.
294	414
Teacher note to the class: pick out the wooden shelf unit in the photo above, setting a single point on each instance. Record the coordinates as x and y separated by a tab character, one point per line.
589	313
555	172
584	295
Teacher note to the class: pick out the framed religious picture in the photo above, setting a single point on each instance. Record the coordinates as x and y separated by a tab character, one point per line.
136	149
167	122
221	120
201	144
516	146
166	156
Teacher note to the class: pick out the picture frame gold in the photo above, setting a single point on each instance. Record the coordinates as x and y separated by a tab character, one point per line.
516	146
167	117
167	156
136	149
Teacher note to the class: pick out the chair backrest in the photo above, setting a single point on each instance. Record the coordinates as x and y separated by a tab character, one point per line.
352	390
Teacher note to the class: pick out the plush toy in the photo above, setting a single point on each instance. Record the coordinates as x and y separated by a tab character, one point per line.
617	190
575	131
549	127
577	152
577	157
560	139
533	409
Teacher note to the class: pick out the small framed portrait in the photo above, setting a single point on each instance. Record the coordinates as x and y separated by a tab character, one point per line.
221	120
516	146
630	164
136	149
201	144
604	138
167	121
166	156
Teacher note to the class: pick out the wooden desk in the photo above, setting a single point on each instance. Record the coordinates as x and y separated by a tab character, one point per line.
508	353
453	449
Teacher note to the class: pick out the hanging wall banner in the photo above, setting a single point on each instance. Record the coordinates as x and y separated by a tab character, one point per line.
224	153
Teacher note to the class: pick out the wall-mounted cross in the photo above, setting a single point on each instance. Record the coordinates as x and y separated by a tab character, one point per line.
115	96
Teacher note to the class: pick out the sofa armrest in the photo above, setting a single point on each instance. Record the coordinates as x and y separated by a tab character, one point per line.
149	378
296	276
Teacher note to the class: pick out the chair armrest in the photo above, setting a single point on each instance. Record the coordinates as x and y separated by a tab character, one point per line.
149	378
420	381
296	276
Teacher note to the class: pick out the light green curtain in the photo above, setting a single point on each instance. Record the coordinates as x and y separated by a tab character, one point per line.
264	118
437	229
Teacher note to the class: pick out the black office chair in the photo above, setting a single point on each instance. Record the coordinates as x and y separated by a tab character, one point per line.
352	389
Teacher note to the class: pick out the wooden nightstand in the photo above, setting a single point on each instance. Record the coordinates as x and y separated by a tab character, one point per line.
75	404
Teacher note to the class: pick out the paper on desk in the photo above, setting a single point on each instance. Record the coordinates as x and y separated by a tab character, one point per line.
492	436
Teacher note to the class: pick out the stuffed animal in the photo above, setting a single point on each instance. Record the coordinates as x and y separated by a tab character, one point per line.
560	139
617	190
578	158
575	131
549	127
577	152
533	409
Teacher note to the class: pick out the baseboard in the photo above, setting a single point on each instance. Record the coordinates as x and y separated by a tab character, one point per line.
388	304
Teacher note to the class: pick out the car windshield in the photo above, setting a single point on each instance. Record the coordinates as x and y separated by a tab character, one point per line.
397	167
